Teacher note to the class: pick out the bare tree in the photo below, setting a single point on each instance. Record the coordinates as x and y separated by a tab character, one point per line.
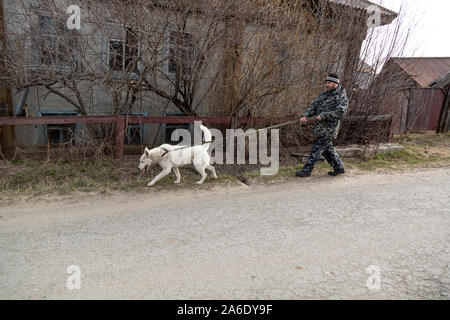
380	46
41	51
261	58
167	49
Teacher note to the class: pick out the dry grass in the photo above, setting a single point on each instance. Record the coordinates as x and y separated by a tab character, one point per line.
421	150
64	173
40	177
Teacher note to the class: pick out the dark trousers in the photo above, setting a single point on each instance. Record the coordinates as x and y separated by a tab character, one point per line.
323	147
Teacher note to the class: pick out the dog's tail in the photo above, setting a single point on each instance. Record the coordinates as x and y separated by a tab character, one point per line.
208	137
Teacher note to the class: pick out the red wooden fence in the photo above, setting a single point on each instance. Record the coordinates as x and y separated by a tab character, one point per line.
122	121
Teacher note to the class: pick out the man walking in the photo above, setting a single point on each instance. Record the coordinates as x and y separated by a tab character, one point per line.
329	108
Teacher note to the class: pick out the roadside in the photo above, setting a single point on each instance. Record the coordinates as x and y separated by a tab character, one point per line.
68	173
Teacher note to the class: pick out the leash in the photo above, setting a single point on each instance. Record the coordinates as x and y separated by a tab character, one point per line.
256	131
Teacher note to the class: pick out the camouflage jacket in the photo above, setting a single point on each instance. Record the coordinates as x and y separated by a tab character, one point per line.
332	107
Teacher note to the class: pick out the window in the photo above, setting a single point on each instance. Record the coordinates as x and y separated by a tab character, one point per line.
169	128
58	134
47	41
281	60
134	134
181	53
116	55
131	47
46	25
123	52
56	45
3	109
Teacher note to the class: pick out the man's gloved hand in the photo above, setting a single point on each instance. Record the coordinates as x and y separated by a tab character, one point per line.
303	120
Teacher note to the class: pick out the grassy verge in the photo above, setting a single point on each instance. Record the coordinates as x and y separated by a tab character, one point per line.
38	177
63	176
427	150
420	151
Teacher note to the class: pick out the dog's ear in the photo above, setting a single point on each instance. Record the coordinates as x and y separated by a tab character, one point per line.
147	152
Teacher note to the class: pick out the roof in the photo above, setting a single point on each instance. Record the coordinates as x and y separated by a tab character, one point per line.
442	82
364	67
424	70
387	15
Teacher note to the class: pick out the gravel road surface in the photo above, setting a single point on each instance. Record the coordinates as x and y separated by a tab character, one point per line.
369	236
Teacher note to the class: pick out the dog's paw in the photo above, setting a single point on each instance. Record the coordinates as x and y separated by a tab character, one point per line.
199	182
150	185
176	182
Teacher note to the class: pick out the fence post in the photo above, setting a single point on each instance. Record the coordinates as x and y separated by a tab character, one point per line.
234	122
445	112
120	134
391	129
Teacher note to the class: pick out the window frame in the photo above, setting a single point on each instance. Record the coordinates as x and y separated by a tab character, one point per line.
171	45
282	60
109	39
74	127
47	32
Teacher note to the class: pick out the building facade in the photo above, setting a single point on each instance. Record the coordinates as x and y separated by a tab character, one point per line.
160	60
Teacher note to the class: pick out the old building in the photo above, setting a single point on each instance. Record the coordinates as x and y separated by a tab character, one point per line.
443	83
170	57
417	102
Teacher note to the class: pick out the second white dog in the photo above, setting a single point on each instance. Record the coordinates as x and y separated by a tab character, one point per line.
170	158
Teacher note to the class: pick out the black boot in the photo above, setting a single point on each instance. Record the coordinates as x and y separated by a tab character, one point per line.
336	172
303	174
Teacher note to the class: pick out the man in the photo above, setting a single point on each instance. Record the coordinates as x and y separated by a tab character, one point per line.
328	109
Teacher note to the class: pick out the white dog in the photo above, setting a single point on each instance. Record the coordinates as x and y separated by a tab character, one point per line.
170	157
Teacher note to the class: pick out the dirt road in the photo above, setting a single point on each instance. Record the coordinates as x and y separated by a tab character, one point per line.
310	239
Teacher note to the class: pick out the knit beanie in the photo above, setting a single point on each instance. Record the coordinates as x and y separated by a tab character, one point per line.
333	78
